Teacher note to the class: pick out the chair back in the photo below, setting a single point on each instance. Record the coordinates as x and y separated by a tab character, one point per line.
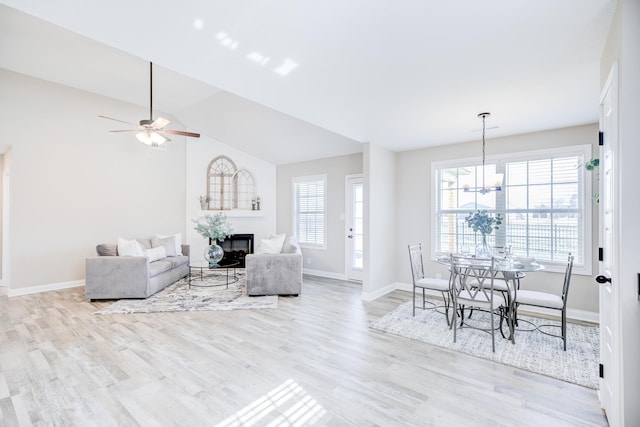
415	257
472	279
567	279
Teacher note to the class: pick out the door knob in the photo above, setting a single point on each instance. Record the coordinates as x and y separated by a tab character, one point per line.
350	236
603	279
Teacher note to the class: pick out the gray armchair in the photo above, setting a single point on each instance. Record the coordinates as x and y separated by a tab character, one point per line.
275	274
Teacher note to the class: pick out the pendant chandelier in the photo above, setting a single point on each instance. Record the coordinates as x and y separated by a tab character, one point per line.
492	182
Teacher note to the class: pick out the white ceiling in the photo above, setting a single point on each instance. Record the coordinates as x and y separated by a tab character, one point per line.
402	74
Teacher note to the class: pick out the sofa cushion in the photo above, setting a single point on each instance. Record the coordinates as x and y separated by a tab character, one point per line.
129	247
155	254
178	240
145	242
158	267
107	249
177	261
168	243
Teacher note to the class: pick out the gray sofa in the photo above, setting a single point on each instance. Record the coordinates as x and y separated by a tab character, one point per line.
109	276
275	274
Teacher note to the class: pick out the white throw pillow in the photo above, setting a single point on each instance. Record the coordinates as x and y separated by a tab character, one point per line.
129	247
168	243
156	253
273	244
178	237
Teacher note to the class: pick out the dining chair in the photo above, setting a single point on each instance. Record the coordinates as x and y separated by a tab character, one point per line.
472	284
507	286
427	283
550	301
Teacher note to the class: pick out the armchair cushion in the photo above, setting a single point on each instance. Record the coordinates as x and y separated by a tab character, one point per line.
272	244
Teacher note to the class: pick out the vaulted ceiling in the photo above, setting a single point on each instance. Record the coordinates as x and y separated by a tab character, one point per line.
293	80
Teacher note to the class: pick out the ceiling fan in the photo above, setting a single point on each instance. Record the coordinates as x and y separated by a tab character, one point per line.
152	132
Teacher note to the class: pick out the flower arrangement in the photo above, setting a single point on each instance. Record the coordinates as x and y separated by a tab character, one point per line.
205	199
483	222
215	227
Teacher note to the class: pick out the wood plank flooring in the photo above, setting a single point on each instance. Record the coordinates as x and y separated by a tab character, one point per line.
312	361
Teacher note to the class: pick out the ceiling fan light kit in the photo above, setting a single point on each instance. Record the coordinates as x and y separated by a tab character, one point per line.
152	132
151	138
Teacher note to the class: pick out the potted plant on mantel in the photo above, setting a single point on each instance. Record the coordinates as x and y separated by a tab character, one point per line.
217	228
484	223
204	202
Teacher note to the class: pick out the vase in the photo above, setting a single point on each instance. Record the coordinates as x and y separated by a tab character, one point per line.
204	206
483	250
213	254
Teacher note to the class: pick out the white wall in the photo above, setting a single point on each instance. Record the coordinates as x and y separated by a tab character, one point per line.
415	213
380	221
260	223
328	262
623	47
74	184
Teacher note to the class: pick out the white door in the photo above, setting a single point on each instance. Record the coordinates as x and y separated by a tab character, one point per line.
608	266
354	227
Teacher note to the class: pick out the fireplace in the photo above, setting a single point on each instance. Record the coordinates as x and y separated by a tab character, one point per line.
235	248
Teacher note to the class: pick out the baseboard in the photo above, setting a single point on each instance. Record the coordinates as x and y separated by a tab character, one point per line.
44	288
327	274
572	314
370	296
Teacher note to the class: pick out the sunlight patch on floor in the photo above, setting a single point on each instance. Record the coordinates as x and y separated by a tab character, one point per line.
294	407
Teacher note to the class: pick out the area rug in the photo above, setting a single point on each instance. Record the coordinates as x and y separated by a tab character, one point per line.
178	297
533	350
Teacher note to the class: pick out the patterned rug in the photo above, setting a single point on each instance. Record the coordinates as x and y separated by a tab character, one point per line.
178	297
533	351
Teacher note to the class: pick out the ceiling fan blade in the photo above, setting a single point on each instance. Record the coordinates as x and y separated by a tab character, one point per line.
159	123
117	120
126	130
183	133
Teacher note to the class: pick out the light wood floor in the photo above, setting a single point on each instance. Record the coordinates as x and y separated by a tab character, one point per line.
312	361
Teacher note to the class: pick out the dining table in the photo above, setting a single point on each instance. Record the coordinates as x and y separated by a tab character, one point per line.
510	268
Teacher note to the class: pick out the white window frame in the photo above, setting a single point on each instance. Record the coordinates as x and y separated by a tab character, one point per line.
298	180
583	150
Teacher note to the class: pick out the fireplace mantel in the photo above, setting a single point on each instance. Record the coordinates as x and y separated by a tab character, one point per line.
234	213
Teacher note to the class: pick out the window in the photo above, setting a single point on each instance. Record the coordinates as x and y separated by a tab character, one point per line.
309	210
543	202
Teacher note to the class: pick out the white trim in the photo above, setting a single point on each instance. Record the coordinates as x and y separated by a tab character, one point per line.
327	274
44	288
370	296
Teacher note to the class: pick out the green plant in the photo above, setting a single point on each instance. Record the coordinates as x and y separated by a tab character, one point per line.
205	199
592	166
483	222
215	227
